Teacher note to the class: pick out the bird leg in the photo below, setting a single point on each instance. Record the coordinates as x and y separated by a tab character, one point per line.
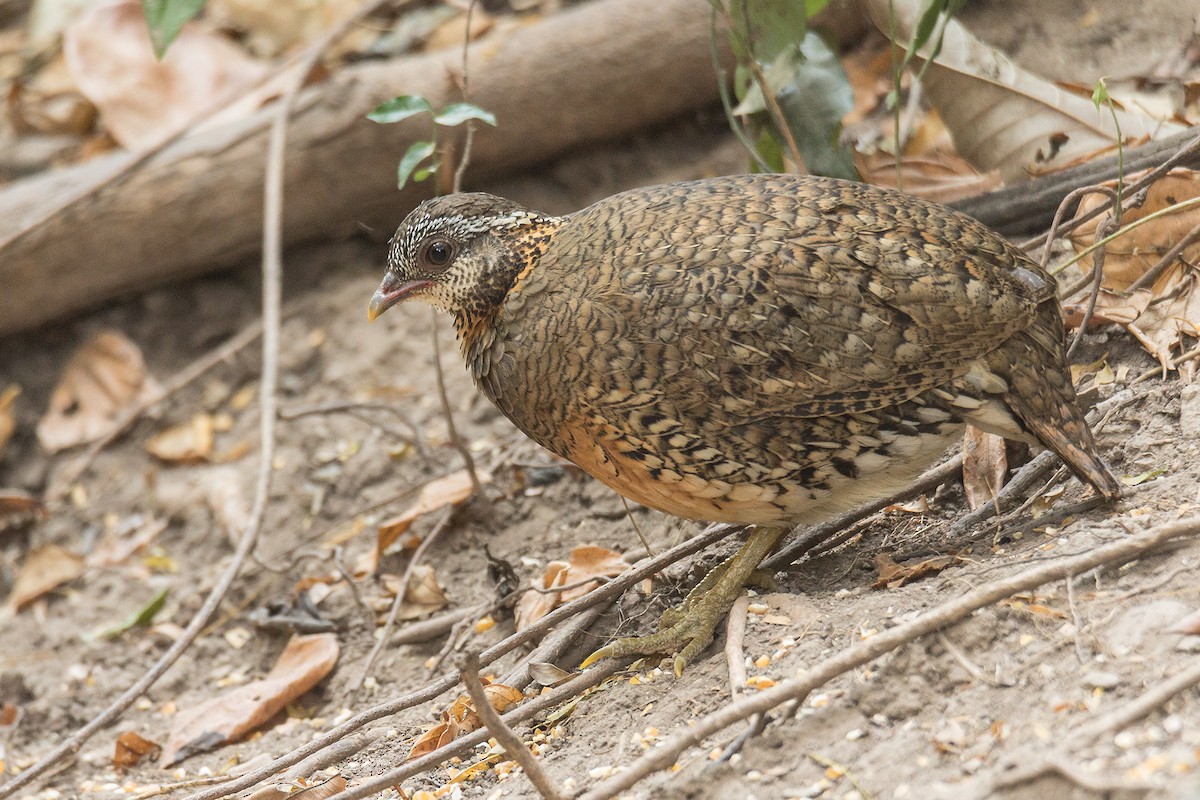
688	628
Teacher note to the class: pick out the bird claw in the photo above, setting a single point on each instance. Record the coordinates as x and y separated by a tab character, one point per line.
689	627
685	629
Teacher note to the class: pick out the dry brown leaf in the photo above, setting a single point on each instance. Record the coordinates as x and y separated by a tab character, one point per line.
8	425
187	443
423	595
918	505
1003	117
132	747
104	377
435	495
319	791
141	99
45	569
1112	308
940	176
985	463
1158	316
1128	256
49	103
462	718
302	664
532	606
893	575
585	562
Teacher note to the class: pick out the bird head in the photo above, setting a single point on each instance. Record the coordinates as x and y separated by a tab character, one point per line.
461	253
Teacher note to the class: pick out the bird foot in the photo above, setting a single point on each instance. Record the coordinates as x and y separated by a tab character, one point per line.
689	627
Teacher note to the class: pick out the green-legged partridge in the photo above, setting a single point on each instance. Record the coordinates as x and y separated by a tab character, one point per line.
766	349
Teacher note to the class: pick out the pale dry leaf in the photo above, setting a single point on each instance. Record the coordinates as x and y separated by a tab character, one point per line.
224	491
103	378
451	32
1131	254
590	561
532	606
461	717
584	563
1003	117
985	463
1158	316
8	425
319	791
303	663
189	442
141	99
45	569
423	595
1112	308
435	495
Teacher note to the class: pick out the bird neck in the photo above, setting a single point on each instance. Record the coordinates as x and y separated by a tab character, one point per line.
513	271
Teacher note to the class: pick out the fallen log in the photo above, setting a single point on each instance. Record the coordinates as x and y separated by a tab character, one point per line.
597	72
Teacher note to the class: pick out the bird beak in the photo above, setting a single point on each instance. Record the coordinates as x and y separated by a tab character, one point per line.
390	292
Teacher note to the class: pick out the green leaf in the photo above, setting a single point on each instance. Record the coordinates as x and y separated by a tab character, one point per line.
139	618
399	108
769	26
814	7
1100	94
458	113
813	103
770	150
166	18
416	153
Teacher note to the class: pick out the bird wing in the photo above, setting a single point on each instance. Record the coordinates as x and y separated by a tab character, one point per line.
760	296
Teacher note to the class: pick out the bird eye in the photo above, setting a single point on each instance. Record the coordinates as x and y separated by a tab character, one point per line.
437	253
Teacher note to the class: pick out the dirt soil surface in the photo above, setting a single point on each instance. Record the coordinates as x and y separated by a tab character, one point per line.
949	716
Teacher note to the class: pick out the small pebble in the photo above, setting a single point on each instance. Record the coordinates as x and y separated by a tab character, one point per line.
856	733
1125	740
1097	679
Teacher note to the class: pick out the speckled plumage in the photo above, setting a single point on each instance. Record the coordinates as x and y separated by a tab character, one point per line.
754	349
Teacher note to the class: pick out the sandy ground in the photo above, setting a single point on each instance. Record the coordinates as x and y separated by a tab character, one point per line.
948	716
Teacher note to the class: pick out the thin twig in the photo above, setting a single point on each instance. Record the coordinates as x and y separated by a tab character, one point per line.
1063	205
468	668
735	663
223	352
668	751
1102	231
1151	275
1125	715
272	270
451	430
1115	720
1151	177
381	641
603	594
469	139
465	744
